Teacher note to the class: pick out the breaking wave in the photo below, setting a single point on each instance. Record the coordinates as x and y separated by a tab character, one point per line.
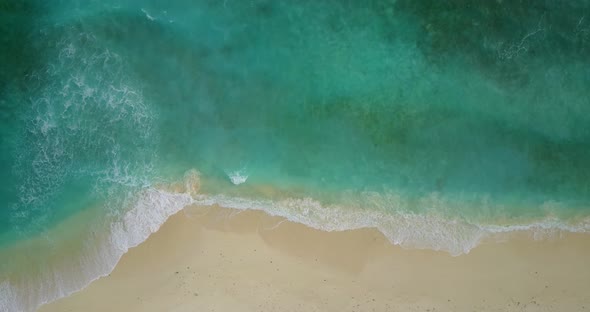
151	207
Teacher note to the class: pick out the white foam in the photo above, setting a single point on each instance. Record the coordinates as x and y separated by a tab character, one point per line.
85	79
8	298
407	229
237	177
151	207
151	18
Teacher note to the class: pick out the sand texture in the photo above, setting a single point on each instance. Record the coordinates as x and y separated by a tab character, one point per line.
216	259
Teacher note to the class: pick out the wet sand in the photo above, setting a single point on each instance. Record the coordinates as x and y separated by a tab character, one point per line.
217	259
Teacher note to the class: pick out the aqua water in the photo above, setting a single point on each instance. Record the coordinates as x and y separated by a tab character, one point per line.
440	123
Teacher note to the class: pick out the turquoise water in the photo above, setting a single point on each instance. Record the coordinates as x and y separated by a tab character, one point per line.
438	123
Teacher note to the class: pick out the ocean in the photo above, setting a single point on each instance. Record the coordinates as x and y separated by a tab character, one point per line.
443	124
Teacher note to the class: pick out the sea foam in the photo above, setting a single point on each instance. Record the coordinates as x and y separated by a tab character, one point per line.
101	251
82	106
152	206
410	230
237	177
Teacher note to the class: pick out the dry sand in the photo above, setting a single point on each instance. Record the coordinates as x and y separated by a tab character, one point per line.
215	259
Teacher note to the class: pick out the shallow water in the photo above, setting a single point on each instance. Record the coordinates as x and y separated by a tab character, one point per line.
440	124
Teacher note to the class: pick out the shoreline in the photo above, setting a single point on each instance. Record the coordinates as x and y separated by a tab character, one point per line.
211	258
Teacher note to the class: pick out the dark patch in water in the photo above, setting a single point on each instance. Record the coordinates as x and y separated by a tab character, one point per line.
502	38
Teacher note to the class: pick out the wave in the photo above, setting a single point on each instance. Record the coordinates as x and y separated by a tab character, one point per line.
406	229
101	251
237	177
152	206
86	122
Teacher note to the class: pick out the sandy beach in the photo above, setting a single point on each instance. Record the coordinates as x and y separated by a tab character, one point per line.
217	259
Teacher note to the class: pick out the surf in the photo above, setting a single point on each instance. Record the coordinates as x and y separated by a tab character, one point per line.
102	240
389	115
